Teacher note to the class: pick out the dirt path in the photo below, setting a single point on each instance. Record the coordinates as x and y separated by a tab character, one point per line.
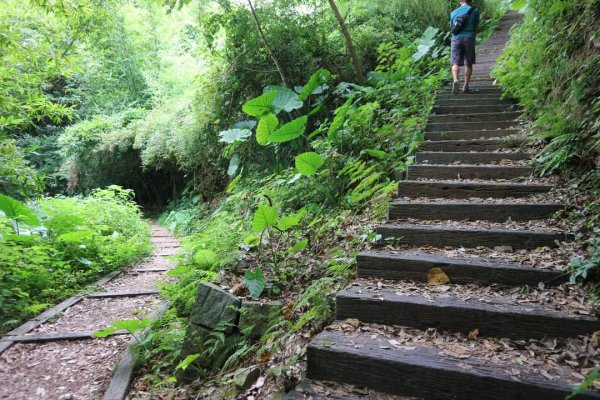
58	359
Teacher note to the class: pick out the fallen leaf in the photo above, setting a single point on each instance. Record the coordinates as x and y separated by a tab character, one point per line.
437	277
473	334
457	351
595	340
265	357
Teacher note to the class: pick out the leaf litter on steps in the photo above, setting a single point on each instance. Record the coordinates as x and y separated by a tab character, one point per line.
572	299
567	359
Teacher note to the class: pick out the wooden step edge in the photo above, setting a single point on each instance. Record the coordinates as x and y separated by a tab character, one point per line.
470	157
448	235
137	293
60	336
422	372
415	266
459	190
467	171
500	317
472	211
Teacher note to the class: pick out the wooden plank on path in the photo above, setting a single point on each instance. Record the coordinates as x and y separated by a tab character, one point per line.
104	295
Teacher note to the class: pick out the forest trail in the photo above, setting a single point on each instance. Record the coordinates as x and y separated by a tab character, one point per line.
54	355
446	313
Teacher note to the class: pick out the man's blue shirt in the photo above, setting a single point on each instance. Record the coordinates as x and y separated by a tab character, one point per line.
469	29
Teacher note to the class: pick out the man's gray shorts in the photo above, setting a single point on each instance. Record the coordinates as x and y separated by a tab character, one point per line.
463	51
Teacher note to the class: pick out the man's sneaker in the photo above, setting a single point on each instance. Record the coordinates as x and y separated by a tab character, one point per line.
455	87
465	89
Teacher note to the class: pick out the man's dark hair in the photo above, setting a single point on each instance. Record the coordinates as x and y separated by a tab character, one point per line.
468	2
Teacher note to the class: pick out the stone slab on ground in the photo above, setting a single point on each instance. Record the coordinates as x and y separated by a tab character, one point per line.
215	306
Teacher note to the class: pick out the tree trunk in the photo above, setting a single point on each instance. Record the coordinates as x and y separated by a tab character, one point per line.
266	44
355	59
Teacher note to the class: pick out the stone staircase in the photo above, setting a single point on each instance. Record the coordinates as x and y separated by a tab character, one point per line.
470	338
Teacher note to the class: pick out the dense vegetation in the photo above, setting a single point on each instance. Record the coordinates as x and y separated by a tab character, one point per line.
50	249
267	146
551	66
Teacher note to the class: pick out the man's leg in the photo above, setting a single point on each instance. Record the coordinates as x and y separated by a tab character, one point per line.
468	73
469	61
456	56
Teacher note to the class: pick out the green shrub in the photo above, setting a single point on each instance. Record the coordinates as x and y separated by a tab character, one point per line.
551	66
81	239
17	178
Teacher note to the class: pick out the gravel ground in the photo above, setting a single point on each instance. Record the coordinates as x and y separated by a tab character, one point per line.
99	313
65	370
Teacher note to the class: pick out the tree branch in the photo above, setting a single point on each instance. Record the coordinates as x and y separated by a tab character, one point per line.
355	59
266	44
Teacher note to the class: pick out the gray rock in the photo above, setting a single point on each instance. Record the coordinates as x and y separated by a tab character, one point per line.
213	306
245	378
255	317
193	343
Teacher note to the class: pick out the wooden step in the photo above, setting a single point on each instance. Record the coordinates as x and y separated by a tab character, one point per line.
462	101
473	108
469	157
470	134
500	317
415	265
469	126
448	235
464	190
421	171
475	117
473	211
470	145
424	372
476	92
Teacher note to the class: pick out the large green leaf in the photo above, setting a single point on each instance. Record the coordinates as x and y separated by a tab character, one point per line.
425	43
316	81
234	135
255	282
261	105
234	164
290	221
298	247
308	163
13	209
286	100
264	217
518	4
186	362
266	126
289	131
